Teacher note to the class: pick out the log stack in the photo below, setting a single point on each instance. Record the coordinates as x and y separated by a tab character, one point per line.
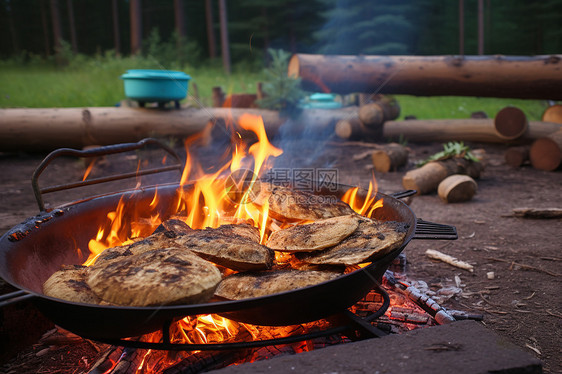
367	125
426	179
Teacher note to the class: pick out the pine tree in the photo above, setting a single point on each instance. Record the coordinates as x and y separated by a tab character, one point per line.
373	27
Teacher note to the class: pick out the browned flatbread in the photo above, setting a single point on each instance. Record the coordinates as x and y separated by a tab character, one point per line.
244	230
165	276
314	236
255	284
175	226
158	240
300	205
371	240
230	250
69	284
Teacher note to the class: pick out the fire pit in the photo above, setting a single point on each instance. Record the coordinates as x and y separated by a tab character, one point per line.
35	249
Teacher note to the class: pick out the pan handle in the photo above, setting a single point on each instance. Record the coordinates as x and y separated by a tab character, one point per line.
431	230
14	297
100	151
403	194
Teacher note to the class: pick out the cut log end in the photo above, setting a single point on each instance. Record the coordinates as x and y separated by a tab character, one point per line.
390	157
371	115
510	123
553	114
516	156
546	153
457	188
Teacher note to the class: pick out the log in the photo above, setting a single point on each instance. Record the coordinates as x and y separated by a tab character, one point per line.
510	123
440	256
475	130
371	115
352	129
553	114
547	213
517	156
389	157
427	178
533	77
457	188
37	129
546	152
217	96
349	128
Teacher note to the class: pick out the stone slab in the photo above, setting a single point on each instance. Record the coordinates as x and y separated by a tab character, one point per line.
460	347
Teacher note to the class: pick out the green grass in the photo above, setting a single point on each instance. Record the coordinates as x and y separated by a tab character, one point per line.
450	107
94	81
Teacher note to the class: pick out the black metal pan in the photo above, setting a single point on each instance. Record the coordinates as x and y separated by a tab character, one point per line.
33	250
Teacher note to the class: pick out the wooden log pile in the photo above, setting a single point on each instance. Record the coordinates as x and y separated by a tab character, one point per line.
426	179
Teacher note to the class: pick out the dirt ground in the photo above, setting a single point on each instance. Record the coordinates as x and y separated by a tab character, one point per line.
522	302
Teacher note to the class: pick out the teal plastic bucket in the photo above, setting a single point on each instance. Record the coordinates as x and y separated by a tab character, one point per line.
146	85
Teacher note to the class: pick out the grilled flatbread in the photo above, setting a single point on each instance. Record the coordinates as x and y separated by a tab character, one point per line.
255	284
371	240
226	248
158	240
314	236
300	205
177	226
244	230
69	284
165	276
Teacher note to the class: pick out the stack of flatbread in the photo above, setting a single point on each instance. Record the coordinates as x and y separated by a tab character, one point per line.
180	265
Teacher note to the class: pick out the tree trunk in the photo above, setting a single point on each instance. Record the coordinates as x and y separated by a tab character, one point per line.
51	128
210	29
475	130
116	35
546	152
179	20
225	47
536	77
45	29
13	33
57	29
72	27
136	26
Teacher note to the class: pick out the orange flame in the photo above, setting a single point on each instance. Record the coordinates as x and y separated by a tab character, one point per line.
367	206
211	200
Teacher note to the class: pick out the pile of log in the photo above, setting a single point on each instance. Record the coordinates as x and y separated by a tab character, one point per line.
367	123
429	177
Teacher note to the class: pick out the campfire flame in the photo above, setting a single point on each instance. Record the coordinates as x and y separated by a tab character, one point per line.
223	196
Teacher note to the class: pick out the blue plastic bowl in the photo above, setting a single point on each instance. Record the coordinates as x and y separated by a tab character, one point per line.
147	85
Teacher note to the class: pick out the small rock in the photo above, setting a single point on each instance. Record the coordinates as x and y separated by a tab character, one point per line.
490	275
